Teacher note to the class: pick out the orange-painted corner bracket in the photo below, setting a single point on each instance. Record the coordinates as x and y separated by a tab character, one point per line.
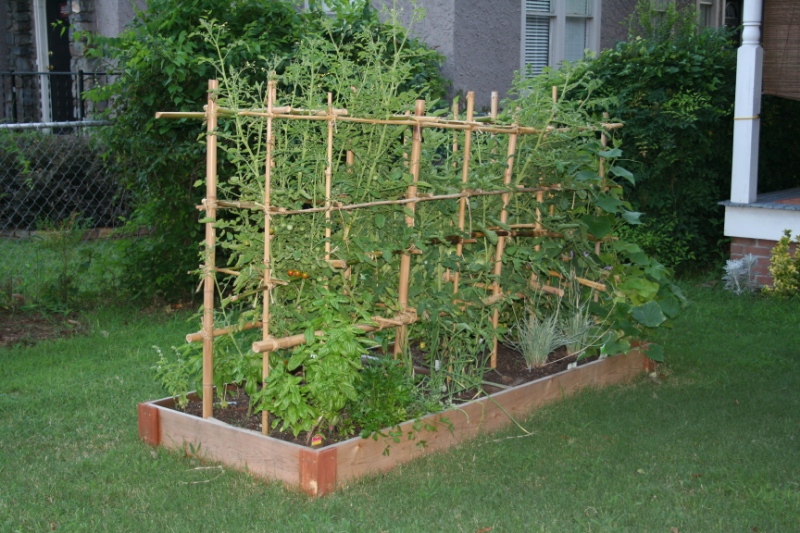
318	471
148	424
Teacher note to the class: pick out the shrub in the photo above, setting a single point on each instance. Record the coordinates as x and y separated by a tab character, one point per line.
672	84
164	63
48	178
784	268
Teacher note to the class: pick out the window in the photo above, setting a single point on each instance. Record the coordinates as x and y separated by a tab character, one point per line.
733	14
558	30
709	13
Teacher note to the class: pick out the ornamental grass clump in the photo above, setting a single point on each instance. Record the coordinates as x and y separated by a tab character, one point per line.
538	337
577	329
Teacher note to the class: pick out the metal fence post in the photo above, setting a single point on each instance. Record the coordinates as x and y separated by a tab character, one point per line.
80	95
13	98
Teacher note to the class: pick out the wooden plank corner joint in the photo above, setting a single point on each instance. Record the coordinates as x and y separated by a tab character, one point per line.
149	430
318	471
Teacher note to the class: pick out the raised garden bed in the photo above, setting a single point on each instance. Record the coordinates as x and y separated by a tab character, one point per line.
320	471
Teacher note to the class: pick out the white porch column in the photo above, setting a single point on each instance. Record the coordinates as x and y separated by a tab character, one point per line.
746	122
42	58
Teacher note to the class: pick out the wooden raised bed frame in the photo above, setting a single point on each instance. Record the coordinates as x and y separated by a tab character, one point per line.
320	471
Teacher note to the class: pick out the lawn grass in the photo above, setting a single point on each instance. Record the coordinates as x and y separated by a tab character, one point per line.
57	270
713	446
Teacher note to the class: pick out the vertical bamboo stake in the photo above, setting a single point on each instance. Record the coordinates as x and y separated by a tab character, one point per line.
448	274
209	281
604	144
271	93
455	133
328	179
350	161
501	241
494	105
405	259
462	203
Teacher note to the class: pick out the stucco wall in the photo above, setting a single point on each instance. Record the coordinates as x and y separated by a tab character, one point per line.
480	41
112	15
613	27
487	47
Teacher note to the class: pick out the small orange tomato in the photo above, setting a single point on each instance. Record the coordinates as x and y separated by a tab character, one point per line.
291	273
304	275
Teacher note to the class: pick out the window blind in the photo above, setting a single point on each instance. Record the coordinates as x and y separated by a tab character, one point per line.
537	43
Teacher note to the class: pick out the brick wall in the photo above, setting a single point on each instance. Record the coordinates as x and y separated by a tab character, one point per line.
761	249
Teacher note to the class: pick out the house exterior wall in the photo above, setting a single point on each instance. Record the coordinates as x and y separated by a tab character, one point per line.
113	15
613	28
482	41
17	17
761	249
486	48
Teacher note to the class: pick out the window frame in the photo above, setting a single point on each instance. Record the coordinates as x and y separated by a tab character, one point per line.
557	31
717	9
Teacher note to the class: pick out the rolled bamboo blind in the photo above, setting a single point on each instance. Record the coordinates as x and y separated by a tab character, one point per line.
781	42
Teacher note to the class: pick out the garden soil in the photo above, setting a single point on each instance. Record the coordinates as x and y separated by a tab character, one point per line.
511	371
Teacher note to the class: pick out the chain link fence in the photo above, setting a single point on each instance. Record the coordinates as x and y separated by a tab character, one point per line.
59	202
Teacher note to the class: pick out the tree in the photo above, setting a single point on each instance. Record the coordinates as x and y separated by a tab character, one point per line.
163	60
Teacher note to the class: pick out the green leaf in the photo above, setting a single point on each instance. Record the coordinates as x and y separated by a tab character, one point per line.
623	173
655	352
491	235
649	315
380	221
632	217
586	175
670	306
599	226
613	152
609	204
297	359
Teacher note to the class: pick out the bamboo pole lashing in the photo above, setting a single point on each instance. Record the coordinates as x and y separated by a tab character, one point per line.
411	193
582	281
227	271
198	335
271	344
273	282
209	276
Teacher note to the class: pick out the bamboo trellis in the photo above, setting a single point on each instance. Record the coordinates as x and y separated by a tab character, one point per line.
407	315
